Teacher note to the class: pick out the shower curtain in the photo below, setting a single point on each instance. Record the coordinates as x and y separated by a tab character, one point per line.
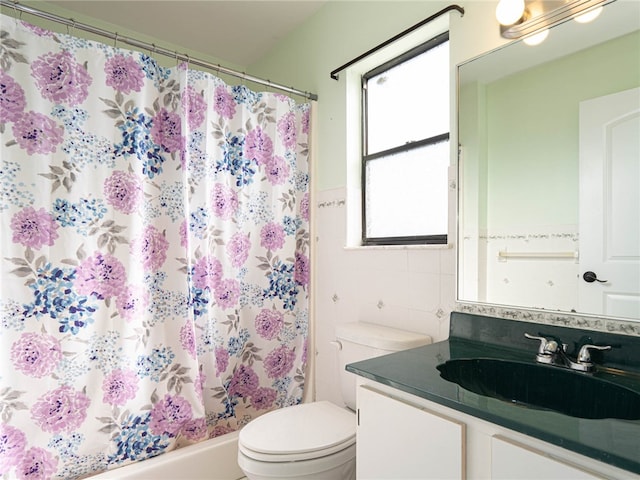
154	264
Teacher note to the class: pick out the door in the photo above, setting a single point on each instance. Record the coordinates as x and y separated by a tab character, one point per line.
610	205
511	460
398	440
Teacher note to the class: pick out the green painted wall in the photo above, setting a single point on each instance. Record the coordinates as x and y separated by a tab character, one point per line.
532	124
123	32
338	32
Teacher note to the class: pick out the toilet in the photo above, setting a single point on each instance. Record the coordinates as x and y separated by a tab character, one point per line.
317	440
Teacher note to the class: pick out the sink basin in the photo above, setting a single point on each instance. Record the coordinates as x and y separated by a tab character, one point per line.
544	387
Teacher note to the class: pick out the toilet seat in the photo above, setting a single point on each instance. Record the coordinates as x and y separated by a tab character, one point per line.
302	432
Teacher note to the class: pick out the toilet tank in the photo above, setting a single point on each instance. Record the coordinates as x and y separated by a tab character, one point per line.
360	341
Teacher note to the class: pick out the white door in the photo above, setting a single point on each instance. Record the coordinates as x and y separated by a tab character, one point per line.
610	205
397	440
511	460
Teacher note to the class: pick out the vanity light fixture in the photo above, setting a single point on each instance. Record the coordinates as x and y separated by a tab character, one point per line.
589	16
536	38
524	18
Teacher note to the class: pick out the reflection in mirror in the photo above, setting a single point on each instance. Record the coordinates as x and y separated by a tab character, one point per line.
550	170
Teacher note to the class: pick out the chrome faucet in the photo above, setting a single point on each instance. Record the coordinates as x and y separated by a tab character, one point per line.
550	352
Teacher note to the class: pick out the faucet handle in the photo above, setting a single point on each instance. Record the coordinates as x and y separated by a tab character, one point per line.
547	347
584	356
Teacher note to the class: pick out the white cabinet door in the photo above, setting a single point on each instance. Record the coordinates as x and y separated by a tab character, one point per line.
511	460
401	441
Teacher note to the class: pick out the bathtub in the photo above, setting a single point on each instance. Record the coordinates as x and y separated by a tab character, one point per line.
214	459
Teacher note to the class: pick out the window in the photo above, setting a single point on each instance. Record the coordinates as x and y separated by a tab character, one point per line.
405	144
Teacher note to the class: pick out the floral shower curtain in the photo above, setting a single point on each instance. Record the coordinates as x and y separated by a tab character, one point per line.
155	254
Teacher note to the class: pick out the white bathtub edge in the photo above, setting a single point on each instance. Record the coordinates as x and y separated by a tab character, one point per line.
214	459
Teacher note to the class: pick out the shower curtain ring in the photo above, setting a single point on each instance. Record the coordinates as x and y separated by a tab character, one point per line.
115	40
15	11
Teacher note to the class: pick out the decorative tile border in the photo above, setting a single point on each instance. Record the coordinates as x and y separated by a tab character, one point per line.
623	327
332	203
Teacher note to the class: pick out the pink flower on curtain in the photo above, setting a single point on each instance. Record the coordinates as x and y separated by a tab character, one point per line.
166	130
150	248
222	359
36	355
37	464
224	201
37	133
12	101
195	429
60	78
269	323
33	228
227	293
184	234
304	207
60	410
132	302
301	275
263	398
123	190
306	121
223	102
195	106
279	361
258	146
244	382
277	170
238	249
100	275
207	272
272	236
198	383
124	74
188	339
119	386
41	32
219	430
287	130
169	415
12	445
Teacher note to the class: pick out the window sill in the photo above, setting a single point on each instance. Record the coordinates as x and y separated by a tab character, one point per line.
446	246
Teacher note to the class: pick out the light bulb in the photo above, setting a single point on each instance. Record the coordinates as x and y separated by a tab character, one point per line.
589	16
509	12
537	38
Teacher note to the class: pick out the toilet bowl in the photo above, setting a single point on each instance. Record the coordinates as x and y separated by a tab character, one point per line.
307	441
317	440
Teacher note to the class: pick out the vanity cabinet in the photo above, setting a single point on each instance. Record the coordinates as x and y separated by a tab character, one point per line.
511	460
400	435
402	439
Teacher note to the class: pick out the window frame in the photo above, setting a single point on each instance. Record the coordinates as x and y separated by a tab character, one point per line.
439	239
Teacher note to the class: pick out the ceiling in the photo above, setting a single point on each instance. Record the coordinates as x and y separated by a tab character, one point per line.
238	32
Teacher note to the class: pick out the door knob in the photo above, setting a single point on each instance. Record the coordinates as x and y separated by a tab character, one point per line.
591	277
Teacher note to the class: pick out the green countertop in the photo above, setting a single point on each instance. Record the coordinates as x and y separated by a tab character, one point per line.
612	441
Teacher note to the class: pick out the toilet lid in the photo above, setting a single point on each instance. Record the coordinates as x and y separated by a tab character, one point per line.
302	431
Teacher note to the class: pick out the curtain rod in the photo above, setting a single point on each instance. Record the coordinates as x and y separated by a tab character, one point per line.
334	73
70	22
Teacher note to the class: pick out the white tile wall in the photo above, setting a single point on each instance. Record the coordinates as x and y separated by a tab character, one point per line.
411	289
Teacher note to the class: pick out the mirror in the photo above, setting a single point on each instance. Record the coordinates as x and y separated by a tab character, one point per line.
534	182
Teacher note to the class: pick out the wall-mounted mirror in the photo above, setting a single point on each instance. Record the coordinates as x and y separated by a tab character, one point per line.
550	170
